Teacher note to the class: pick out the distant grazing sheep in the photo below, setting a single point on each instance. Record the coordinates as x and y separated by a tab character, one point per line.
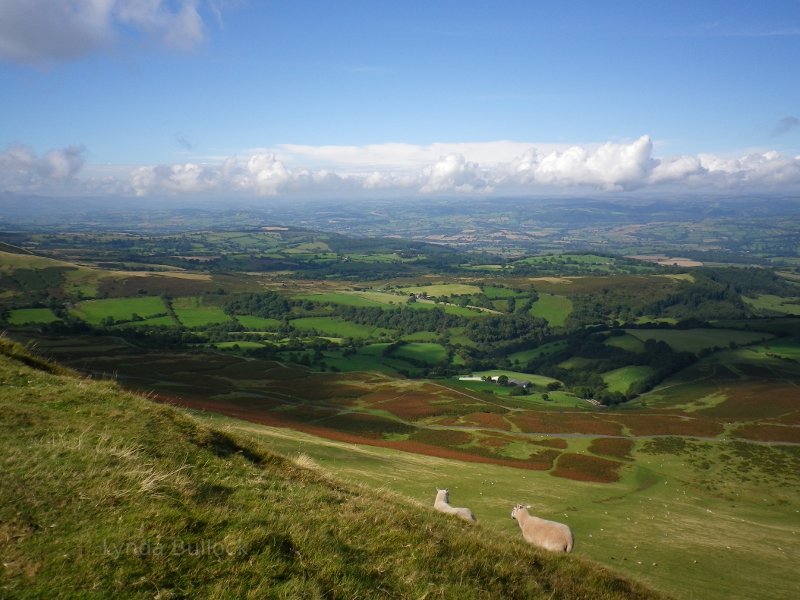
441	504
549	535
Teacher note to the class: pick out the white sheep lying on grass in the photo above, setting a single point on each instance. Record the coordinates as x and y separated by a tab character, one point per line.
549	535
441	504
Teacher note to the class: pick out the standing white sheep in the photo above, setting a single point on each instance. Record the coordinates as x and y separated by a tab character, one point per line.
549	535
441	504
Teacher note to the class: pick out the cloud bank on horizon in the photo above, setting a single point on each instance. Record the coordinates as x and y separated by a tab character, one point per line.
440	169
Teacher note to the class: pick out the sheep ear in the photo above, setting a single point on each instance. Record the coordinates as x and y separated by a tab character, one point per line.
528	506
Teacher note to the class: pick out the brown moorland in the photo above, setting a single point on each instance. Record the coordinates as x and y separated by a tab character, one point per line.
766	432
582	467
613	447
565	422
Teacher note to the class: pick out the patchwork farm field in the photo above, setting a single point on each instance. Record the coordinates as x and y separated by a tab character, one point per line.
770	304
25	316
787	348
443	289
539	381
695	340
426	352
497	293
346	299
193	311
337	327
555	309
524	356
450	309
620	380
119	309
162	321
13	262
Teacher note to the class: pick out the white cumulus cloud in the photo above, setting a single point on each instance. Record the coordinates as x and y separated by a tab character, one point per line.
609	166
677	168
453	173
265	174
762	170
261	174
186	178
22	170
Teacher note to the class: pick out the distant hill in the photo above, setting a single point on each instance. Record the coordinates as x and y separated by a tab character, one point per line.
105	494
11	249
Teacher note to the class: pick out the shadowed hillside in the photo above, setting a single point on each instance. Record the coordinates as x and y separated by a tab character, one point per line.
105	493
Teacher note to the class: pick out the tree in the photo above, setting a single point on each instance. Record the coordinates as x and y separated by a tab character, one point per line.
502	380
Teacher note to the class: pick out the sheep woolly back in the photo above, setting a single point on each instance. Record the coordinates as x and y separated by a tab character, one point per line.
549	535
441	504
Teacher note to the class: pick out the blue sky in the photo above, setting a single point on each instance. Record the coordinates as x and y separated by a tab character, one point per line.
281	98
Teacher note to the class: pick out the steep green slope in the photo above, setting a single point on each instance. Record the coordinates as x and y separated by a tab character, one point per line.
107	494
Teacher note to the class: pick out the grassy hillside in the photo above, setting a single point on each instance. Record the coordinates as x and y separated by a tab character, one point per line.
106	494
689	518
